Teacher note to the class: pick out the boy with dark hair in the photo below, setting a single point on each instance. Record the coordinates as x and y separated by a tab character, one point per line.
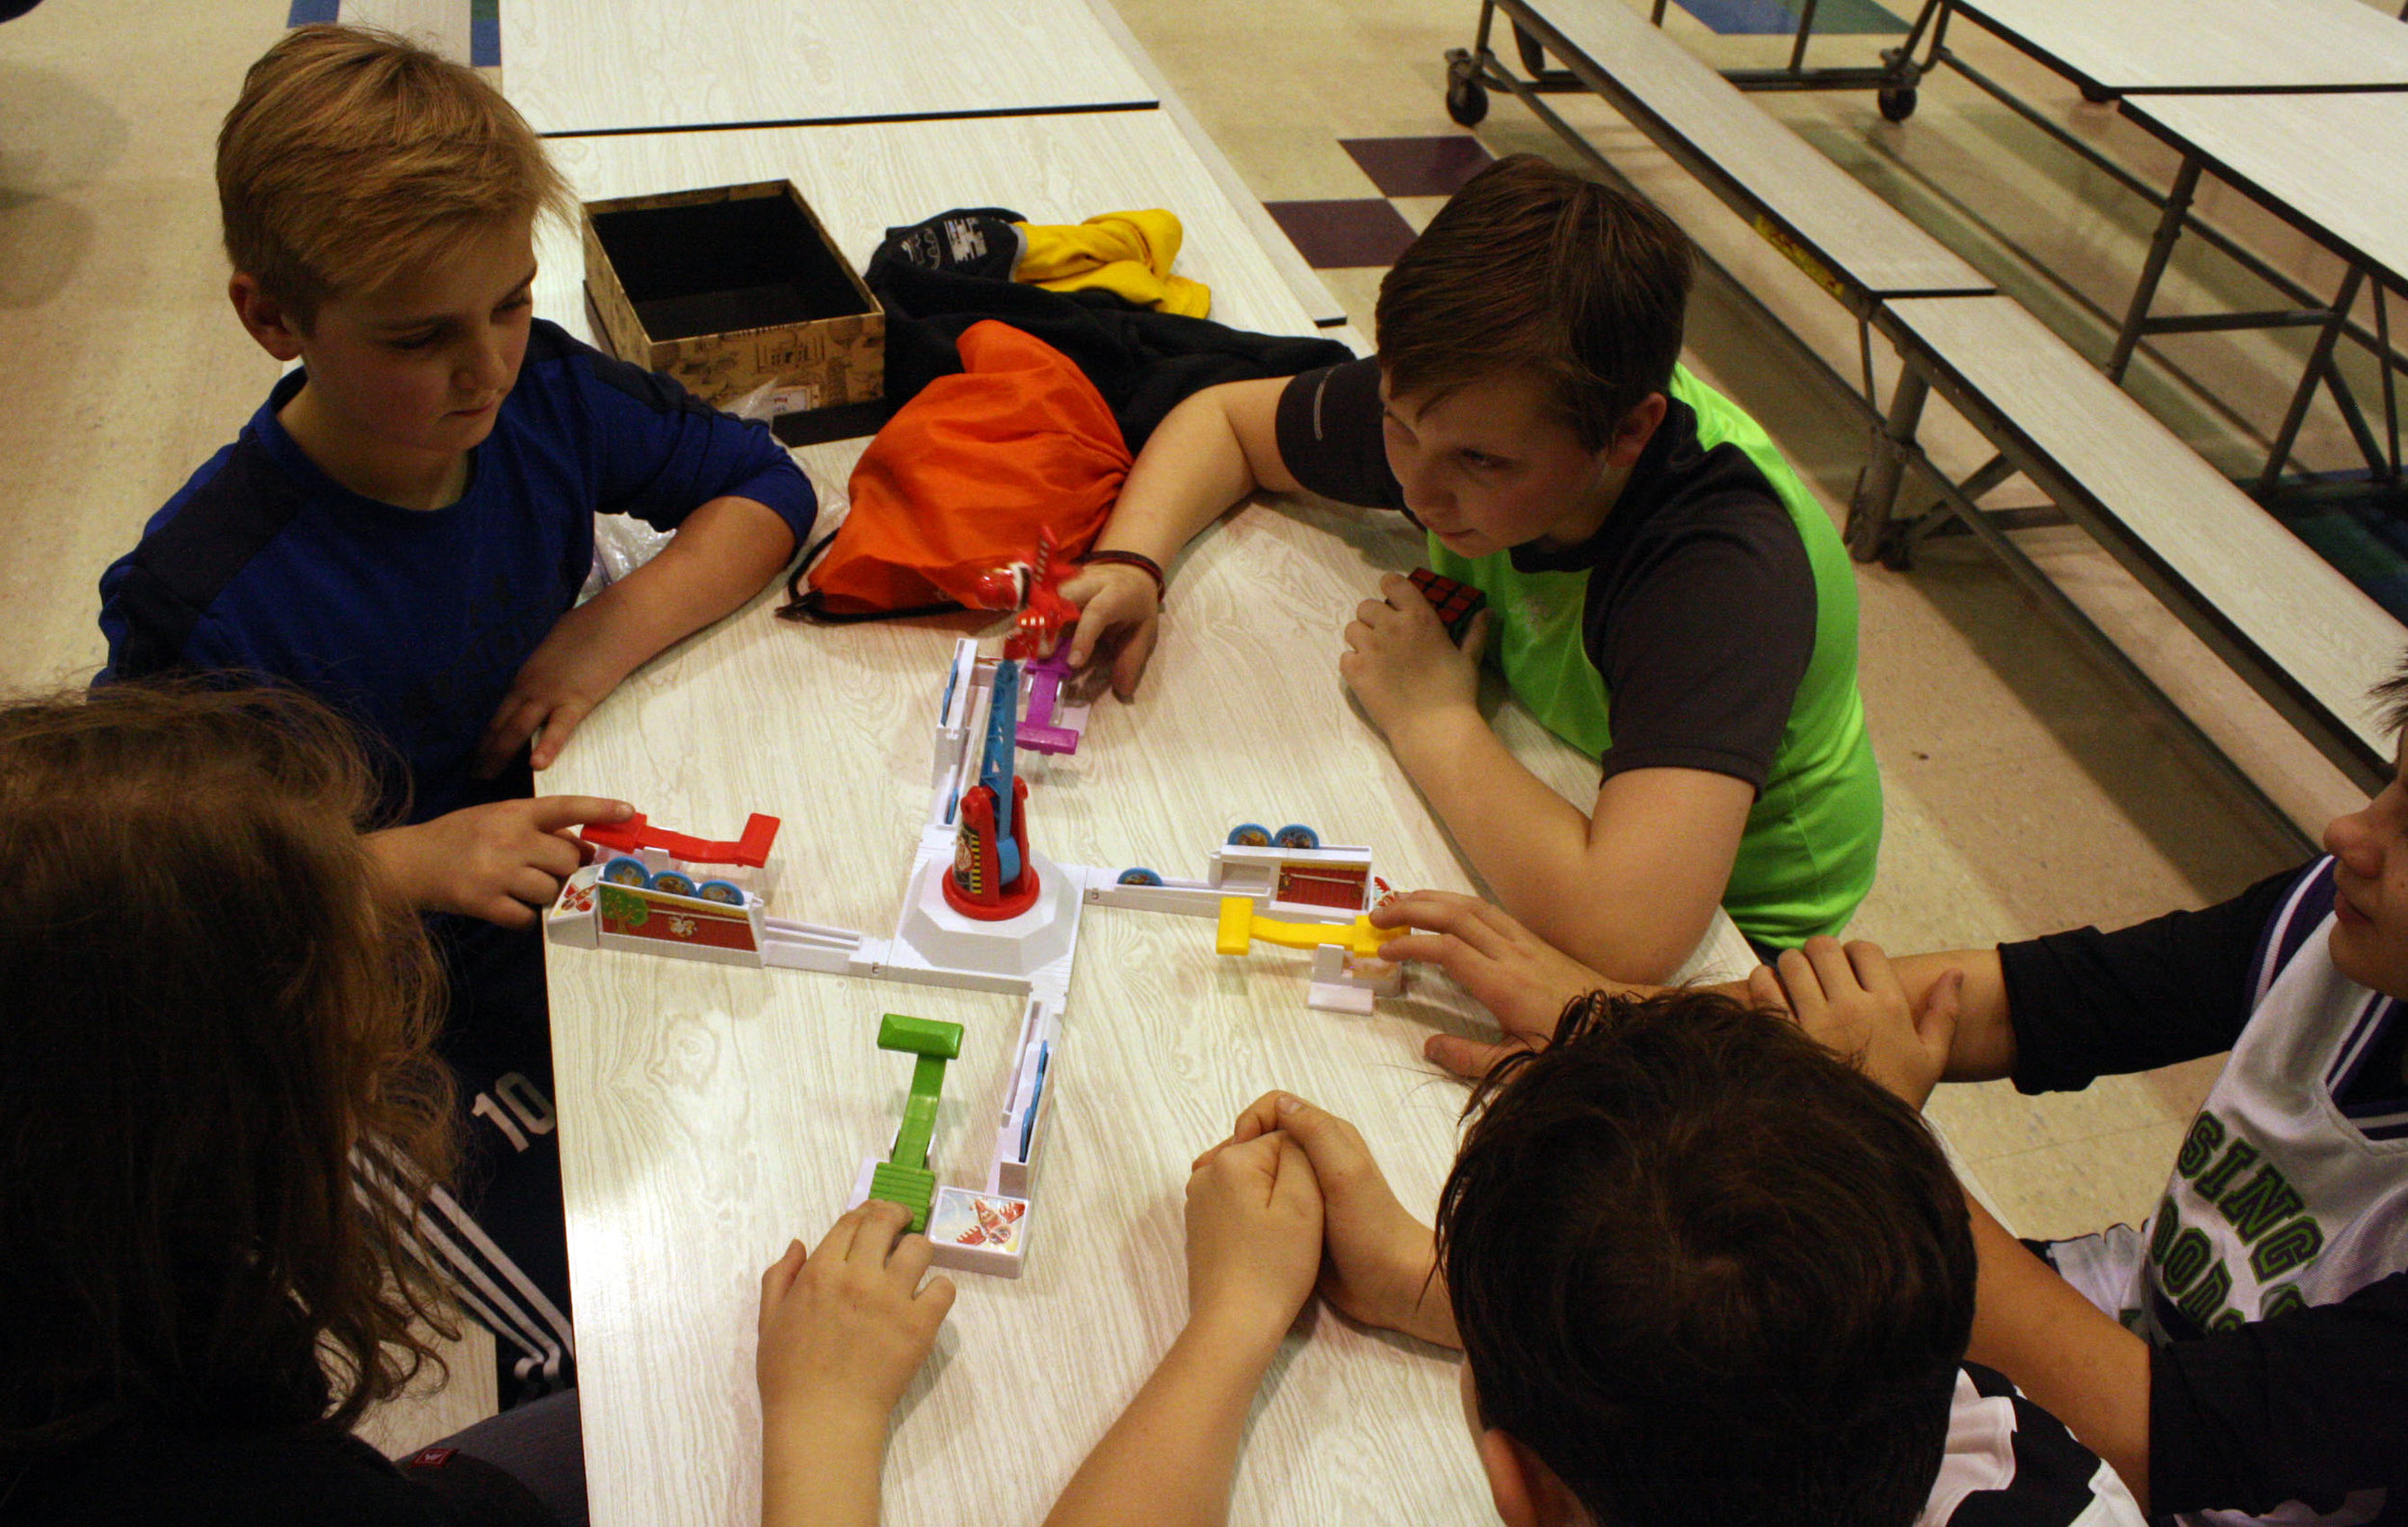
1701	1271
402	529
1661	591
2243	1357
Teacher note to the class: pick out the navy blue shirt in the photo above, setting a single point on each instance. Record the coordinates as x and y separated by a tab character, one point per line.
414	622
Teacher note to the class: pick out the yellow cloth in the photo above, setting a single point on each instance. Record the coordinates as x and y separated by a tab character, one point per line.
1126	253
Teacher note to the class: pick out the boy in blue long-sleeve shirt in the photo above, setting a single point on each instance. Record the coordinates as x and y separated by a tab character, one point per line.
402	529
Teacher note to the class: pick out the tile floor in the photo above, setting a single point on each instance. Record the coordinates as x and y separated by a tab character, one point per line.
2027	788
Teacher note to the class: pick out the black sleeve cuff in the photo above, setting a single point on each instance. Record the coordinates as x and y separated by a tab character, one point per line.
2309	1407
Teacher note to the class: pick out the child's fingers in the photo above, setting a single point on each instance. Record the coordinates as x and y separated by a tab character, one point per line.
511	725
554	855
1332	1146
1295	1187
779	1276
1480	927
504	910
1258	1117
1476	637
1129	663
883	1225
1764	990
935	1300
557	730
1468	1058
1872	969
556	813
1943	1003
530	886
1831	965
910	1258
1802	982
838	1242
1423	948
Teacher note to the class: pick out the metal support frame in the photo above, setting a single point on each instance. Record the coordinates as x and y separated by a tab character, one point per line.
1793	76
2173	212
2320	369
1961	510
1868	523
2172	217
2175	221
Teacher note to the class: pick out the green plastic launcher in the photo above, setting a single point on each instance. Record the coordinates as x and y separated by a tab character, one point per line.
904	1178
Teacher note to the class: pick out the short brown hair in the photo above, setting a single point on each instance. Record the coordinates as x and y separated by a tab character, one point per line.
352	154
211	1001
1708	1272
2391	694
1530	269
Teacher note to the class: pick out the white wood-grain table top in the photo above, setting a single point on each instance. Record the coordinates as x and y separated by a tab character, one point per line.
708	1115
2206	44
2330	164
2312	623
862	178
610	66
1855	234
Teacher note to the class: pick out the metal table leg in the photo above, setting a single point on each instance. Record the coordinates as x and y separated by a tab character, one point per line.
2317	361
1869	531
2152	270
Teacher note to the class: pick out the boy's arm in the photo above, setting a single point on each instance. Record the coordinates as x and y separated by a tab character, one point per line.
502	861
2070	1358
1379	1265
842	1332
1628	891
1526	983
720	556
738	502
1214	449
1254	1235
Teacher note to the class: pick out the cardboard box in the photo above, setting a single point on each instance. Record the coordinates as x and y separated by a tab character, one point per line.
729	288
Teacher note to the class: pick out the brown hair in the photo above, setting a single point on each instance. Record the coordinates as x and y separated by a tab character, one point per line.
212	1002
352	156
1708	1272
2393	695
1530	269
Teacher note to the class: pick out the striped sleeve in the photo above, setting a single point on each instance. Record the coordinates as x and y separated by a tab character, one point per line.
2010	1464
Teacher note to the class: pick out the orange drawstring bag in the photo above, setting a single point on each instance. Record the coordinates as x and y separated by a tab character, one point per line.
959	481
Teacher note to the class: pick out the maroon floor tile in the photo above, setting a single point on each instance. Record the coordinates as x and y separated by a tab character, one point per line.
1330	234
1419	166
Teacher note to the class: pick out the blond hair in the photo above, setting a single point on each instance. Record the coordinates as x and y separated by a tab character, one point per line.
352	156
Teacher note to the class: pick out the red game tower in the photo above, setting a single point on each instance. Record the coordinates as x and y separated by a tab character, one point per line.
992	877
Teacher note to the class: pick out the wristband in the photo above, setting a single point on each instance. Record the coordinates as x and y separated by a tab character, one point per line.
1142	563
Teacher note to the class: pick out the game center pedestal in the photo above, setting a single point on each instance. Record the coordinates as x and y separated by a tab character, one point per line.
1020	946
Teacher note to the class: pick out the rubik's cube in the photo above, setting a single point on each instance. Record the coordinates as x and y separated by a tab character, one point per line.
1455	601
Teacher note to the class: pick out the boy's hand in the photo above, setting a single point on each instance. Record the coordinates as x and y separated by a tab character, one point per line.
503	862
1849	1000
1254	1239
1119	616
1512	972
569	673
1379	1265
1401	663
844	1330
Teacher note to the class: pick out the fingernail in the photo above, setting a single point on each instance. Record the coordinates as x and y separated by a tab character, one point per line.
1289	1104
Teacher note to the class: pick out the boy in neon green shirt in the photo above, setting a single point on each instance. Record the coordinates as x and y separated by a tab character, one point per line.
1663	592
